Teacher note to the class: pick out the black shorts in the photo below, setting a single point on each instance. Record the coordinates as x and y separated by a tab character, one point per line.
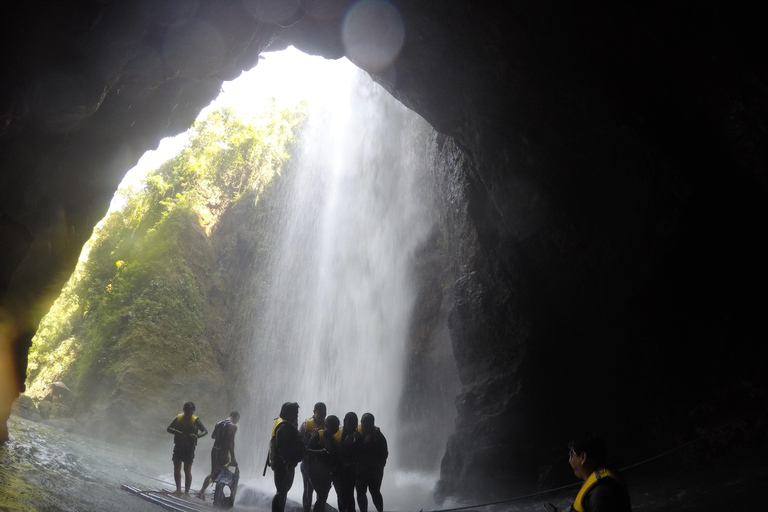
219	458
185	454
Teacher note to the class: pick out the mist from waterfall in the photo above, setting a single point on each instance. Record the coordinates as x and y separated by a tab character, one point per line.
334	312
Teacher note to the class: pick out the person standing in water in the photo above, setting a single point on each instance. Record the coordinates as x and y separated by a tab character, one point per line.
346	475
286	449
306	429
373	458
186	429
322	459
223	451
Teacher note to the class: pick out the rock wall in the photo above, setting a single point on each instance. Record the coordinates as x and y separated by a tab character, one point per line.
605	215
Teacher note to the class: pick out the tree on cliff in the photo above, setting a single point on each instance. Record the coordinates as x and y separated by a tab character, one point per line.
130	319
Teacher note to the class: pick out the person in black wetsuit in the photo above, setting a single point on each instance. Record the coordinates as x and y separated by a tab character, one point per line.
306	429
346	474
603	489
373	458
186	429
223	451
322	460
286	449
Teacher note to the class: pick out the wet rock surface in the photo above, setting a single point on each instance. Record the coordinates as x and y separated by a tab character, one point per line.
45	468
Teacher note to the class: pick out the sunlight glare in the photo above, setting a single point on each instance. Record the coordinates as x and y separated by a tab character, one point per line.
289	76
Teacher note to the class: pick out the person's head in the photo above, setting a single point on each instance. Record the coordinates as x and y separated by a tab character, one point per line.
587	453
319	412
350	422
290	412
234	417
367	422
332	424
188	408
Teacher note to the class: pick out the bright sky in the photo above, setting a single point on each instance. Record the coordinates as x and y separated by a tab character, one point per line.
289	76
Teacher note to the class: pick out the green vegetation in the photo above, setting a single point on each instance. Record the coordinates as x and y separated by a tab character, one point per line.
133	312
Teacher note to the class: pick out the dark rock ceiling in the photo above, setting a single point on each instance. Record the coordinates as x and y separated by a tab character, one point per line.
615	181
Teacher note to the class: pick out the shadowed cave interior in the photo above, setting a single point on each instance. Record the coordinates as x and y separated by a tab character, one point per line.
605	262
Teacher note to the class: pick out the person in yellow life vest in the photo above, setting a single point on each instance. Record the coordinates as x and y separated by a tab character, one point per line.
322	459
306	429
373	458
286	450
603	489
186	429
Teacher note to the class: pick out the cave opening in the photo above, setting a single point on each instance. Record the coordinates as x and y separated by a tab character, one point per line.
615	164
331	313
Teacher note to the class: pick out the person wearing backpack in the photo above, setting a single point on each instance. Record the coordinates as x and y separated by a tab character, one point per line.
186	429
286	449
223	451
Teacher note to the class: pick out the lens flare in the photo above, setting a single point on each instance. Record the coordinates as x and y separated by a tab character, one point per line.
373	34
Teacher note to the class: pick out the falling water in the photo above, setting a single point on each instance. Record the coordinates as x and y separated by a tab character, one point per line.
337	303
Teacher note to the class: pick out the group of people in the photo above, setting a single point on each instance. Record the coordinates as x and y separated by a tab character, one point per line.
187	429
351	456
348	455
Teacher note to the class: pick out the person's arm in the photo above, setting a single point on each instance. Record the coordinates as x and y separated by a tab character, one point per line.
201	431
232	432
356	446
384	449
172	428
313	450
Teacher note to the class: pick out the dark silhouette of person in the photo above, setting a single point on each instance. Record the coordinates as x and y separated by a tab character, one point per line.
306	429
186	429
286	449
346	474
603	489
322	459
373	458
223	450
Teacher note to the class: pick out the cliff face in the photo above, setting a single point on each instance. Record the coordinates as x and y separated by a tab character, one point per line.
603	220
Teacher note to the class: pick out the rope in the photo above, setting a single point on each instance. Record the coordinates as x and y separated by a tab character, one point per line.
516	498
664	454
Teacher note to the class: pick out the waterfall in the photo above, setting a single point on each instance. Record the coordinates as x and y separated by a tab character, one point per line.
335	309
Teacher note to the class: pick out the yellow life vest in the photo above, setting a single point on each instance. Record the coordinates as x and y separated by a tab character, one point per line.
180	420
273	443
587	486
310	424
336	436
